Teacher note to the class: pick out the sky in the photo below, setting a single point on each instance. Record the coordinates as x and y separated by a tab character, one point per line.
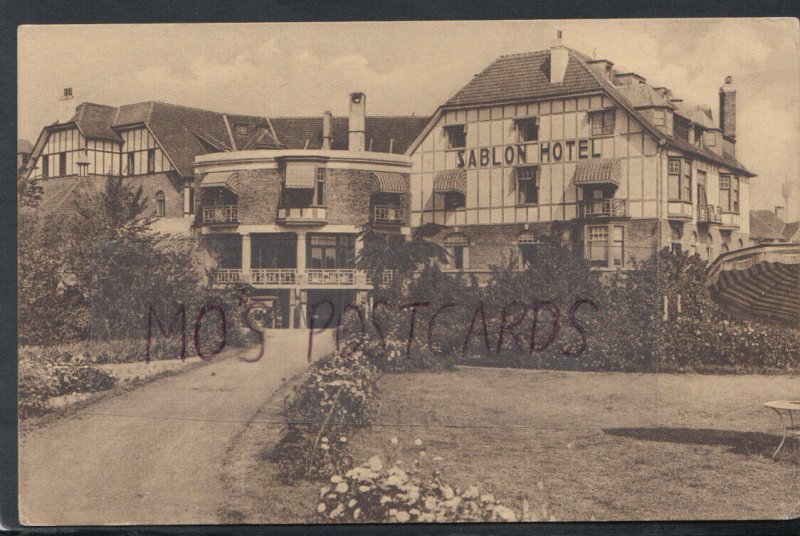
412	67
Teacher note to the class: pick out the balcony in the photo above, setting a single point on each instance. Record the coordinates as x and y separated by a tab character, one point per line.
730	220
225	276
221	214
605	208
709	214
332	276
680	211
273	276
388	215
303	215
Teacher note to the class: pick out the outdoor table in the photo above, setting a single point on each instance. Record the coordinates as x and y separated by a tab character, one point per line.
790	429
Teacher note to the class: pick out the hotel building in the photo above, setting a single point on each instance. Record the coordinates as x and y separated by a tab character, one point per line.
537	144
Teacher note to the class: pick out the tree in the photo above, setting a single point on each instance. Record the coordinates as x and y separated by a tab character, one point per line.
117	214
382	251
29	191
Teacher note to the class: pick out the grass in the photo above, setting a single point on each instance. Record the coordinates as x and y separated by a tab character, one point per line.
587	446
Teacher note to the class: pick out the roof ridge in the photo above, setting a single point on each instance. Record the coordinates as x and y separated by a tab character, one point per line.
97	104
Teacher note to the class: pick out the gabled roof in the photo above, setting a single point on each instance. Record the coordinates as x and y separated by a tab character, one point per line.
523	76
765	225
644	96
790	232
94	121
379	131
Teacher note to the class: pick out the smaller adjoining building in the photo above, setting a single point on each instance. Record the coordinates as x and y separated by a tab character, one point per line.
767	226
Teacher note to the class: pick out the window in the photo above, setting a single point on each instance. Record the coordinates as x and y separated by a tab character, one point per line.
528	246
331	251
528	185
710	253
67	92
130	168
676	248
241	130
729	193
161	205
454	201
457	245
62	164
702	198
45	166
527	128
693	244
597	245
319	191
679	180
659	118
698	136
151	161
456	136
710	139
603	122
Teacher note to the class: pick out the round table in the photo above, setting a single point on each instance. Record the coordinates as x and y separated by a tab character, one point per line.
790	429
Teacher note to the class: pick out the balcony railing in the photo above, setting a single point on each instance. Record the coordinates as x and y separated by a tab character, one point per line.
325	276
301	215
605	208
273	276
388	214
228	275
221	214
709	214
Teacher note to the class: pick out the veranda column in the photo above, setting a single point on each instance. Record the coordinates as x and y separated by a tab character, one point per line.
246	256
301	255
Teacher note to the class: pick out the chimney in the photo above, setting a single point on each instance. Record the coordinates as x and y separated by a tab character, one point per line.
66	105
358	111
559	58
327	119
727	109
781	212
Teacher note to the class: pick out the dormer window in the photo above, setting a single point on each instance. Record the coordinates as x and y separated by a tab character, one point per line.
709	139
602	122
659	118
527	128
241	130
456	136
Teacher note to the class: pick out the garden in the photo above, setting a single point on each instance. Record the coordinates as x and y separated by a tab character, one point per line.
552	393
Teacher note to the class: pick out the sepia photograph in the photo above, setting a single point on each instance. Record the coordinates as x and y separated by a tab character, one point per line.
408	272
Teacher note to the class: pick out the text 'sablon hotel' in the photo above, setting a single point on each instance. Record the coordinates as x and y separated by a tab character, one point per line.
538	144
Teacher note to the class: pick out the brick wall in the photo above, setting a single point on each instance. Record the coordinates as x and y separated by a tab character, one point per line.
170	183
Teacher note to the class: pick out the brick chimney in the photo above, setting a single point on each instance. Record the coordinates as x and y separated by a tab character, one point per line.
66	105
327	119
358	112
781	212
727	109
559	58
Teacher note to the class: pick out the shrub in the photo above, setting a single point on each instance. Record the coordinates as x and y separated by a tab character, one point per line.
337	395
371	493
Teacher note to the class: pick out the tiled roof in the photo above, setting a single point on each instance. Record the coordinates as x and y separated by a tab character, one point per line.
95	121
699	114
24	146
765	225
522	76
643	96
255	137
725	159
790	231
300	132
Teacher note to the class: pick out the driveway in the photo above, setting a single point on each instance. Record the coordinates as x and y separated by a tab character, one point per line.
152	455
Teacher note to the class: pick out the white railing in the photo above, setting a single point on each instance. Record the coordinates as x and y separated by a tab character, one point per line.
605	207
325	276
388	214
221	214
273	276
228	275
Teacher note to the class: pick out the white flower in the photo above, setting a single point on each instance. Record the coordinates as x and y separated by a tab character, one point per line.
402	516
352	503
324	439
505	514
336	479
324	446
393	440
418	442
341	487
321	507
437	458
343	439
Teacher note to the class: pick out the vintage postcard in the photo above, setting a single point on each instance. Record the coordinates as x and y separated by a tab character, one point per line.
498	271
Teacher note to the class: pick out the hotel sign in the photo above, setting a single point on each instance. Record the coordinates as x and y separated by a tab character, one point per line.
557	151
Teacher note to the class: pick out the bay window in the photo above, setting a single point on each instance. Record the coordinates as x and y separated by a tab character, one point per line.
679	180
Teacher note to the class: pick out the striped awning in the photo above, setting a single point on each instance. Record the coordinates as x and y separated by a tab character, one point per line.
300	175
598	171
222	179
388	182
451	180
760	281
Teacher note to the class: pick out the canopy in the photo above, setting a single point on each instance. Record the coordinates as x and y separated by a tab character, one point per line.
450	180
301	175
598	171
760	281
388	182
222	179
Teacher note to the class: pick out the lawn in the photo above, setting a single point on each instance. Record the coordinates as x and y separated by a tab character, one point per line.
587	446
